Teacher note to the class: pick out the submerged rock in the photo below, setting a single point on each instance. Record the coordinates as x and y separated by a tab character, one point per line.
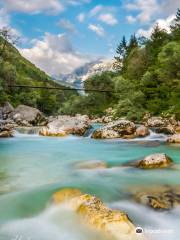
65	195
174	138
117	129
157	160
95	164
65	125
142	131
158	197
150	143
94	213
28	116
52	131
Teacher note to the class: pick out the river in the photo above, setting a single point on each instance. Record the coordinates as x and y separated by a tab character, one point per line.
32	168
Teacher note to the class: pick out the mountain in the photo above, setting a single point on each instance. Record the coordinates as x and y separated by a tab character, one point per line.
77	77
16	70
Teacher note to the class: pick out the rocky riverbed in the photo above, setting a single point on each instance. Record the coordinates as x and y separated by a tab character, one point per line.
60	126
101	188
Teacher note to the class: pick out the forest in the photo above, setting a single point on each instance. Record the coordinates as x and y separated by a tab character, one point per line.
146	79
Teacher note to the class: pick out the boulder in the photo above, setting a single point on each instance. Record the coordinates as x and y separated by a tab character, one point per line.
116	129
95	164
174	138
105	134
162	125
107	119
114	223
157	197
96	120
6	129
65	125
142	131
5	110
5	134
156	122
52	130
169	129
177	128
157	160
28	116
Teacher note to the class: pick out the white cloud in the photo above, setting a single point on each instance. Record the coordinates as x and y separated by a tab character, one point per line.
76	2
81	17
131	19
170	6
33	6
5	23
4	18
108	18
38	6
163	24
96	10
67	25
146	9
97	29
54	54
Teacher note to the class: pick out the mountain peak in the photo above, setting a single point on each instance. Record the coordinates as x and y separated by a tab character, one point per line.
81	74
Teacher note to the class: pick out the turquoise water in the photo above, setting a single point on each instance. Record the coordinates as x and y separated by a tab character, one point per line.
33	167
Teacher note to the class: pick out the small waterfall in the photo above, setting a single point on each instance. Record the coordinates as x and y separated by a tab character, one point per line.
23	131
156	136
90	131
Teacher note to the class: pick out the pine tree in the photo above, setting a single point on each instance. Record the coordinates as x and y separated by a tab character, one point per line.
176	22
121	51
158	34
175	27
133	43
158	38
122	47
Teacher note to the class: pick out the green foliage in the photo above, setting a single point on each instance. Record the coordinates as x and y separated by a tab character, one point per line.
14	69
93	103
136	64
130	100
123	50
147	80
158	39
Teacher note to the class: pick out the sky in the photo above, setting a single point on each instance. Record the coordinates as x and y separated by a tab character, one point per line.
62	35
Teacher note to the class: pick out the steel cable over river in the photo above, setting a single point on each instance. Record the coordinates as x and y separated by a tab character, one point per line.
62	89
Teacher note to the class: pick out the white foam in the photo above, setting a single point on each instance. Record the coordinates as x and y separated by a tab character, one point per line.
56	223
